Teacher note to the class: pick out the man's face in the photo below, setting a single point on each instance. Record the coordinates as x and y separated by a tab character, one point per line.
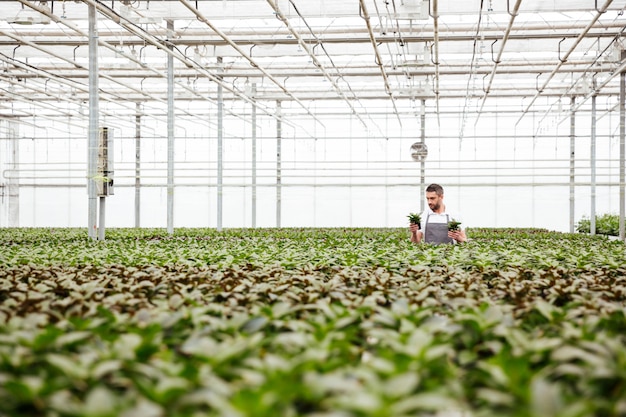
434	200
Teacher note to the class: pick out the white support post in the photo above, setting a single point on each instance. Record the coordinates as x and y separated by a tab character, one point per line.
254	126
92	148
12	184
137	165
279	133
422	162
593	166
101	222
572	164
170	136
220	149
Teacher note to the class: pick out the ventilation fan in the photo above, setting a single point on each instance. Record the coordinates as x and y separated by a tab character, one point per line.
419	151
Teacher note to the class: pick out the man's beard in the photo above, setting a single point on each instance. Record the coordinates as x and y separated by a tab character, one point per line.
434	207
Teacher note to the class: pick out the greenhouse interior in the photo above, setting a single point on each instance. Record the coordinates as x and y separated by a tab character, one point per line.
293	113
232	208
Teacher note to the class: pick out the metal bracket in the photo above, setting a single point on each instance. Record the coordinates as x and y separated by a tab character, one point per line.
493	43
560	59
380	64
508	9
431	54
430	13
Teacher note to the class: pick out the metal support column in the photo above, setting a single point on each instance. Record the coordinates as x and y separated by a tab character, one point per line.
593	166
279	133
170	136
422	162
622	150
101	221
92	147
138	165
220	147
12	182
254	122
572	164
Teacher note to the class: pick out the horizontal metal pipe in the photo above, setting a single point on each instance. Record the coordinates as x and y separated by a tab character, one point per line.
499	185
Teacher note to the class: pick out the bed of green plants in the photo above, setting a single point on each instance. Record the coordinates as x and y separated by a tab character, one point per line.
606	224
311	322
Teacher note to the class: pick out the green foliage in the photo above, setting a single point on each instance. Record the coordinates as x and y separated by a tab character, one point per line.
286	322
415	218
606	224
454	225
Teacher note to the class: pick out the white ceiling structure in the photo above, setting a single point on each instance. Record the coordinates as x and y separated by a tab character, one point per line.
502	72
303	51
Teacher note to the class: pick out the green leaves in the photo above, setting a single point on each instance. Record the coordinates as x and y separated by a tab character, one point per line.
351	322
415	218
454	225
606	224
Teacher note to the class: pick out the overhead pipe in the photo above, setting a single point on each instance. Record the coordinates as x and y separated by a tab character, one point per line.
34	88
557	31
434	14
316	61
556	69
399	42
504	68
252	62
498	59
596	90
104	44
158	43
592	68
114	99
378	60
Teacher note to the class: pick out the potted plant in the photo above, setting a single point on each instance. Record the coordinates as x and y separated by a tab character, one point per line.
415	218
453	225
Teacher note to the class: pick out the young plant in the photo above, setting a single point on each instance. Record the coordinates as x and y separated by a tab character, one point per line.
453	225
415	218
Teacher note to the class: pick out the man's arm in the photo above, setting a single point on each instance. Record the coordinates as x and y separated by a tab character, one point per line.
416	233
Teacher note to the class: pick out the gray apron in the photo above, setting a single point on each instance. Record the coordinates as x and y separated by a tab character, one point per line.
437	232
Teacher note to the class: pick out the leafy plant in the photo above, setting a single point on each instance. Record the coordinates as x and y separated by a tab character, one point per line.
453	225
344	321
415	218
606	224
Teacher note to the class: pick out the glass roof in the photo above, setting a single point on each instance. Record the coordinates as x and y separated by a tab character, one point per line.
360	59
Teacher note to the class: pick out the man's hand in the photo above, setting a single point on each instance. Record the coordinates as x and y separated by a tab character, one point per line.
458	235
416	234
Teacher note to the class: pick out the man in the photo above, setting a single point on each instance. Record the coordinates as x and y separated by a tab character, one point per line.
435	221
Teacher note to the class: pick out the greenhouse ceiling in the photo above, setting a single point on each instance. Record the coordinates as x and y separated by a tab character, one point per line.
460	56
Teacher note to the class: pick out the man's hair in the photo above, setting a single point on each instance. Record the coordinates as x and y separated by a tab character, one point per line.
436	188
